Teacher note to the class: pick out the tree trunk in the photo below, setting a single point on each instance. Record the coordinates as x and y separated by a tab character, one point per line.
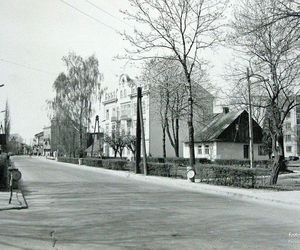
177	137
191	130
164	142
279	162
277	165
280	140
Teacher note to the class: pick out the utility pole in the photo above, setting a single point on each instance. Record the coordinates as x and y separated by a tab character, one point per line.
143	138
250	121
94	136
138	132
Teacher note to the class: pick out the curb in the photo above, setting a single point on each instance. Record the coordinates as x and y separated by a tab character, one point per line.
255	195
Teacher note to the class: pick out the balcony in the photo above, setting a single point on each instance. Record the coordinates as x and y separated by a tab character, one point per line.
125	117
113	118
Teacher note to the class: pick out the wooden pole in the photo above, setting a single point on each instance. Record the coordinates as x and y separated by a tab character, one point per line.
143	138
138	132
250	121
96	119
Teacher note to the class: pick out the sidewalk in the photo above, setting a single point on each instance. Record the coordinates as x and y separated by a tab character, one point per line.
17	201
287	199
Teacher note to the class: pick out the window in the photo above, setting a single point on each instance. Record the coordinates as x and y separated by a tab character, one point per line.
199	149
129	124
288	138
206	150
288	126
121	94
107	114
261	150
288	148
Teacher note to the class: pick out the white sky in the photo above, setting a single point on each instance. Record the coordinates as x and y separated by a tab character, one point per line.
36	34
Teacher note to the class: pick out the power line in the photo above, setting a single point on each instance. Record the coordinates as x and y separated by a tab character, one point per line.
88	15
25	66
106	12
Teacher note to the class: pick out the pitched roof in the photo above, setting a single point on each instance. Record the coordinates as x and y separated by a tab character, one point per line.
217	125
96	148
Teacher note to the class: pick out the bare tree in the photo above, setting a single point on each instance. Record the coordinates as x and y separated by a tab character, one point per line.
274	60
283	9
165	77
116	140
130	142
176	28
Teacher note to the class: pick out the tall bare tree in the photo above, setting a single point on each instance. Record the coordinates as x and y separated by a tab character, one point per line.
177	28
165	78
273	52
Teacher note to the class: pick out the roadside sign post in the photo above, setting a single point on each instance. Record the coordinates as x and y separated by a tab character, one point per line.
15	175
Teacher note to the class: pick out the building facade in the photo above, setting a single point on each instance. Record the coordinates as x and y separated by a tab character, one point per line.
227	137
119	109
291	131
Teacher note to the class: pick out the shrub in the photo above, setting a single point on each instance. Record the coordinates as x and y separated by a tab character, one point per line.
162	169
93	162
156	159
176	160
3	171
159	169
115	164
231	176
242	163
68	160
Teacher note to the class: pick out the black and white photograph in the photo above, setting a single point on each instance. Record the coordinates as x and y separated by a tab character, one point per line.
149	124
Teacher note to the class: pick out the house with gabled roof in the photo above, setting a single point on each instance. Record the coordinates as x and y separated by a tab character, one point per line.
227	137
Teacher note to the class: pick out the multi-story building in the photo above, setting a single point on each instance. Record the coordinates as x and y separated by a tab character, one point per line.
47	141
38	143
291	131
119	109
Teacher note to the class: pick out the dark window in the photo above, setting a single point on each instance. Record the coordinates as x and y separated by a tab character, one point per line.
246	151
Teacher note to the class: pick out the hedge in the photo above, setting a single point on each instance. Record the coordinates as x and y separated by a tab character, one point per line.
162	169
93	162
68	160
116	164
232	176
176	160
208	173
243	163
3	171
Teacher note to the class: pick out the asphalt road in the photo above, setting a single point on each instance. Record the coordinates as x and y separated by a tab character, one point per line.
74	208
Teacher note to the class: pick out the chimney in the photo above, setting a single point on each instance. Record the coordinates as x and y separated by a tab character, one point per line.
225	110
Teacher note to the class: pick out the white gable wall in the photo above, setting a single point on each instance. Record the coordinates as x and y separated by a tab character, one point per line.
222	150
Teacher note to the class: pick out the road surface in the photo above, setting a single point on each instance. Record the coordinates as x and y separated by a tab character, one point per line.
75	208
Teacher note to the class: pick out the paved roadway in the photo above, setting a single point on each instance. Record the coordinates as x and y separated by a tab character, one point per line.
72	208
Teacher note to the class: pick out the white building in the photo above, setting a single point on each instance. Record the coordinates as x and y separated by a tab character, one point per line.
119	106
291	131
227	137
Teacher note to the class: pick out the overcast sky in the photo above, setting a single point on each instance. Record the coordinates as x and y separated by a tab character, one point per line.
36	34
